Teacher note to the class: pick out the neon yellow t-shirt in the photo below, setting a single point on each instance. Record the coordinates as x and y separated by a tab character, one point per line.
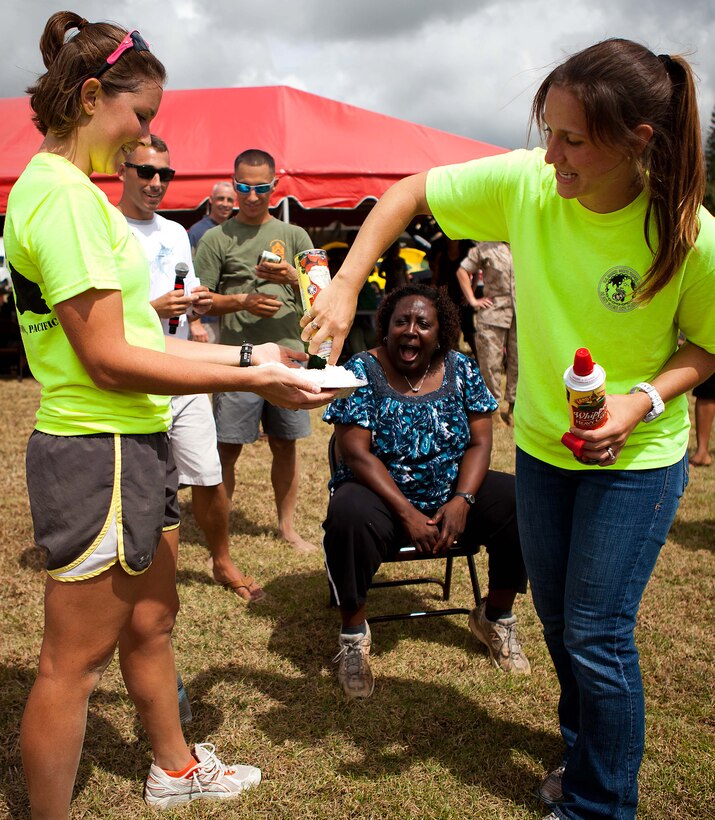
63	237
575	271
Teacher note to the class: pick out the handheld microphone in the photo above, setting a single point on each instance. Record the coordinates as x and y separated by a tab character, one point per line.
181	270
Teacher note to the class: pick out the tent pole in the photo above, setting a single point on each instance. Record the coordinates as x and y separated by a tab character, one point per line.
286	211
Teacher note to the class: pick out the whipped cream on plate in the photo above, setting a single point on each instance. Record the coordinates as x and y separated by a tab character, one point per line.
331	377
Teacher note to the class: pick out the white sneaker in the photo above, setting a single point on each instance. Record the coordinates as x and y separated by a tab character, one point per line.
209	779
501	640
354	671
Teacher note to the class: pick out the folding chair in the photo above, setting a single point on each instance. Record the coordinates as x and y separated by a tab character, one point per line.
410	553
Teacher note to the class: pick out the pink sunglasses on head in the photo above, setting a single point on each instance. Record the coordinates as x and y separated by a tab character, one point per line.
132	40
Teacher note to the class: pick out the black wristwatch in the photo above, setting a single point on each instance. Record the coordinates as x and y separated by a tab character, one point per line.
246	354
468	497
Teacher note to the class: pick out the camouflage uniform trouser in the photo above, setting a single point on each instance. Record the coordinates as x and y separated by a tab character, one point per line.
491	345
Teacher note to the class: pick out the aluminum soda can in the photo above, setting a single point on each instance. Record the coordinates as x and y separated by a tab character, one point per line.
269	256
313	277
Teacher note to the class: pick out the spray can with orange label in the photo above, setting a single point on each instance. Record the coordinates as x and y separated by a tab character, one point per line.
313	277
586	394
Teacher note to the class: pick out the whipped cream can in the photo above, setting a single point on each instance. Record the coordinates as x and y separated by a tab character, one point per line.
586	392
313	277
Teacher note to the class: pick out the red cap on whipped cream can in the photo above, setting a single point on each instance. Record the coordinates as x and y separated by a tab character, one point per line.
586	392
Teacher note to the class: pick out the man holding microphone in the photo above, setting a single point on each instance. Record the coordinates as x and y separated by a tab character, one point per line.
146	175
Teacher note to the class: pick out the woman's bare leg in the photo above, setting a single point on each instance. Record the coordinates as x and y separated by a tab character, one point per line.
83	620
704	415
146	657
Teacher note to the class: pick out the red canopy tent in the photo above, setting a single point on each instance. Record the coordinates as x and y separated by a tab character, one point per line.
328	154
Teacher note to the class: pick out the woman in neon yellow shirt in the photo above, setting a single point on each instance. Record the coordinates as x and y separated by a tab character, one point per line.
100	476
613	251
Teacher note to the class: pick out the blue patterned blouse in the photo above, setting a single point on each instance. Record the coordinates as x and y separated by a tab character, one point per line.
420	439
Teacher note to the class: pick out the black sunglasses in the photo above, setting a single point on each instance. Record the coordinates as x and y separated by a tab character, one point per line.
149	172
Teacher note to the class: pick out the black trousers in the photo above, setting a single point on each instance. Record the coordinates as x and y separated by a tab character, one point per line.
361	532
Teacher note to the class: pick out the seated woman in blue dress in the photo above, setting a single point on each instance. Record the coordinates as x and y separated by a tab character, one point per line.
415	444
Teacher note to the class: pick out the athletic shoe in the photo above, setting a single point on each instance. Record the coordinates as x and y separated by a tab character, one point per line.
209	779
552	816
550	787
354	671
501	640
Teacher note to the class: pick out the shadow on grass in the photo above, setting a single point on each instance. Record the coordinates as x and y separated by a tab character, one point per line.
315	619
33	558
103	743
15	684
238	524
694	535
403	723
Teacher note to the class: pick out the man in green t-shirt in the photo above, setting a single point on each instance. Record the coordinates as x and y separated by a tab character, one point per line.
257	303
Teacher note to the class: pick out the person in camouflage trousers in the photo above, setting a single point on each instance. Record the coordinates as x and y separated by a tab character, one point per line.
496	317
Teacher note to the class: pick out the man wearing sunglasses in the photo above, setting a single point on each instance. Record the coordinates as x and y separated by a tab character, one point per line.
257	302
146	176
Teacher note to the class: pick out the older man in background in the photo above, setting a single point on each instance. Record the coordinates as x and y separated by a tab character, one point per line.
221	204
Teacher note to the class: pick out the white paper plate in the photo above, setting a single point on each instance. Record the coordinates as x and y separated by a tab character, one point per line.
332	377
336	378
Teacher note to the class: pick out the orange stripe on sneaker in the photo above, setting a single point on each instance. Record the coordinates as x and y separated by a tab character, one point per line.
191	765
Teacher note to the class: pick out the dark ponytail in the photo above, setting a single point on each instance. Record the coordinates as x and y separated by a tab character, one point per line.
674	169
55	97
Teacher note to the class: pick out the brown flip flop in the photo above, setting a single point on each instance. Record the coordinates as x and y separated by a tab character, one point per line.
253	592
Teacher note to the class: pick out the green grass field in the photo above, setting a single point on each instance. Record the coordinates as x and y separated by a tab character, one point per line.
444	735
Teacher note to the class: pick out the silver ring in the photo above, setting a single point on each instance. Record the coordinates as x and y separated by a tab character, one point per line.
315	325
611	454
309	314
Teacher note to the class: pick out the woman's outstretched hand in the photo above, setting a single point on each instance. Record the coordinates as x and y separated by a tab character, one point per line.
289	387
330	316
272	352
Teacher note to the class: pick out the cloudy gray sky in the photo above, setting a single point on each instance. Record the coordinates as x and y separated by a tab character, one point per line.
466	66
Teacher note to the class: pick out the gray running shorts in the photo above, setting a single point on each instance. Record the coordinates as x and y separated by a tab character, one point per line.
99	499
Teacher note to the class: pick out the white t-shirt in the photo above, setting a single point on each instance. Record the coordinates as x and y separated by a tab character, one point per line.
165	243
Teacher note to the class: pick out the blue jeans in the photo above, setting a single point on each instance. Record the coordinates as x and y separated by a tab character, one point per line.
590	540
